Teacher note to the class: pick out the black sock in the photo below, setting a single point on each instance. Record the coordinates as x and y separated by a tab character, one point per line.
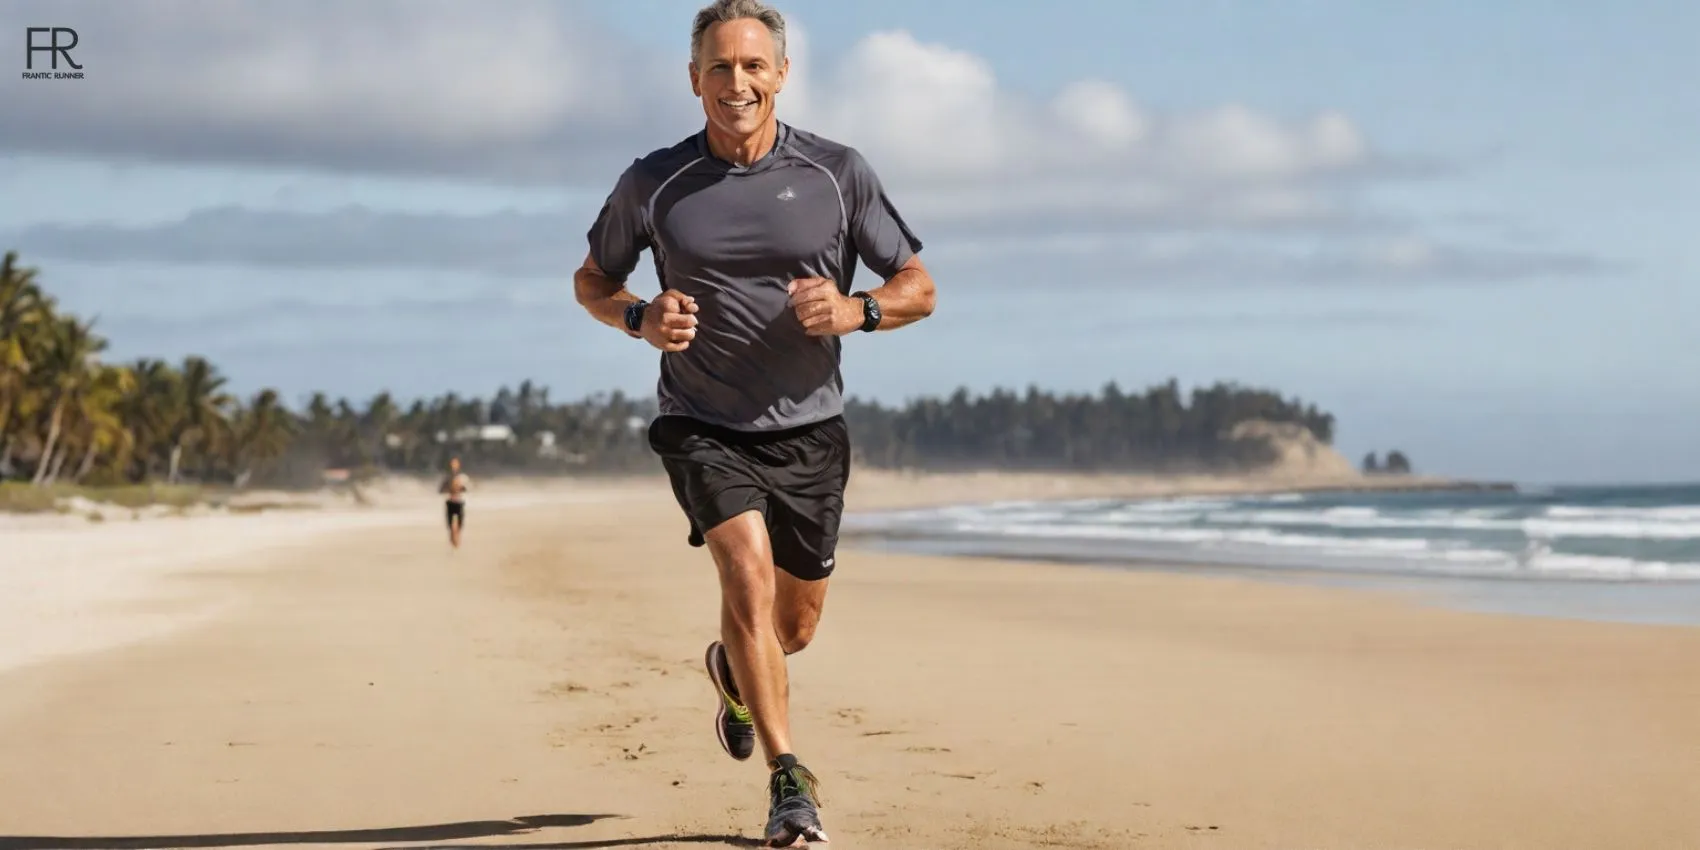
783	760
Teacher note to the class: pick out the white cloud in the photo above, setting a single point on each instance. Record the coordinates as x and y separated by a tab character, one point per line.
937	114
954	144
1102	115
528	92
515	91
923	109
1241	262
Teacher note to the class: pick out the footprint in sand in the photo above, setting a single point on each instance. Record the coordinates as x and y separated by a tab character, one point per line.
563	688
1074	834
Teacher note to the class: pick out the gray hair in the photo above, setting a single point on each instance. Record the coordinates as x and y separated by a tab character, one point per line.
722	11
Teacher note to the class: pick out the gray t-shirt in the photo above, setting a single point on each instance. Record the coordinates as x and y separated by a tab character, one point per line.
733	238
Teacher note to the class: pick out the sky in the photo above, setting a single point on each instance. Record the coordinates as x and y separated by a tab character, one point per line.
1464	229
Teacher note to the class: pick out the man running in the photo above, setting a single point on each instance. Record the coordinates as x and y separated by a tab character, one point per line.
454	487
755	227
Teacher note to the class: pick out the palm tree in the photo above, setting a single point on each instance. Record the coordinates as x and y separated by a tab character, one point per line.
96	423
345	434
261	434
381	416
202	403
23	311
150	411
67	372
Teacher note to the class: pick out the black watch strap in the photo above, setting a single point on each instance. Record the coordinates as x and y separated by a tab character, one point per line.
634	316
871	314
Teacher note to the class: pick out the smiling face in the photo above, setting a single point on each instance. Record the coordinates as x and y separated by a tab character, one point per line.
737	74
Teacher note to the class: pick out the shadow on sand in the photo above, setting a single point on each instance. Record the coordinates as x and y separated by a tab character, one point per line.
406	834
644	841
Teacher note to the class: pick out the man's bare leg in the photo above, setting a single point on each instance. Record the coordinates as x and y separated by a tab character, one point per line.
755	652
796	613
744	557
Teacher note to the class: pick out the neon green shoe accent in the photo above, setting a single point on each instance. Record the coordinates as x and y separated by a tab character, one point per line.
739	713
794	781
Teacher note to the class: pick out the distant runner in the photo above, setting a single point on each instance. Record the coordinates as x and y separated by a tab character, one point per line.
755	228
454	486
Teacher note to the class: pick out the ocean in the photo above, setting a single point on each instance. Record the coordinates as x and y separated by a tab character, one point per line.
1624	553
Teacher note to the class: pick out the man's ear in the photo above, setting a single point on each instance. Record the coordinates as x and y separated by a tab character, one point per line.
784	74
691	68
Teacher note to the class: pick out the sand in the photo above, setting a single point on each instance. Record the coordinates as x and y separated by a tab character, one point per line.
340	678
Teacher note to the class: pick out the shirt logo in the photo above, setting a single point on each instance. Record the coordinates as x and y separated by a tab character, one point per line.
786	194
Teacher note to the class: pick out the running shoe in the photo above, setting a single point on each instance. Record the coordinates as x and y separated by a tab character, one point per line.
732	722
793	815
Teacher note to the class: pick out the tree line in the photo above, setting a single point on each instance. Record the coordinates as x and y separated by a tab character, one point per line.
1395	464
67	415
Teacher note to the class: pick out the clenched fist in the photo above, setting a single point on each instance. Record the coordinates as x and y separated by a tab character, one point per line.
670	321
822	309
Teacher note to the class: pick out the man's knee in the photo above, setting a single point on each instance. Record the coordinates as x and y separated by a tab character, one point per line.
795	636
743	557
797	610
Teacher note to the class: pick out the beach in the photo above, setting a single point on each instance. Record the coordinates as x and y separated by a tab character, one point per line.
340	678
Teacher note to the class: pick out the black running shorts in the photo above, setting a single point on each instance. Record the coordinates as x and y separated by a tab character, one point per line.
454	511
795	477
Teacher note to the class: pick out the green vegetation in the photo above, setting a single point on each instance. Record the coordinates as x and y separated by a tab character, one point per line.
1158	430
24	497
1396	464
119	431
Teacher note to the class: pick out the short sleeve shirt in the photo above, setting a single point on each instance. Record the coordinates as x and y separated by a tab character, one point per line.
733	238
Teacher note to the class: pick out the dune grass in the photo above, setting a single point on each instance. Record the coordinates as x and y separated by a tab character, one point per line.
20	497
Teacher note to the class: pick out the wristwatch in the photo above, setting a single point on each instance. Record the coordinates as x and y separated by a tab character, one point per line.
634	316
871	314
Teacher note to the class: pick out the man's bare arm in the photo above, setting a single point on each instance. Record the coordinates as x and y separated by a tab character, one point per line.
907	298
604	299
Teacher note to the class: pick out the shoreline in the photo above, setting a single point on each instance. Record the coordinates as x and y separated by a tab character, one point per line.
146	595
1640	602
880	490
1513	559
121	503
